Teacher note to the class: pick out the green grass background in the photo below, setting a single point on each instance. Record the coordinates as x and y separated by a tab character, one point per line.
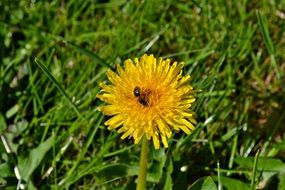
53	54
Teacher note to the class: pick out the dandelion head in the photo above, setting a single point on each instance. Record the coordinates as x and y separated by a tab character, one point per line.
148	97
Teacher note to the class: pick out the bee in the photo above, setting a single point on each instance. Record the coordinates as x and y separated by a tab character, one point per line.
137	91
142	96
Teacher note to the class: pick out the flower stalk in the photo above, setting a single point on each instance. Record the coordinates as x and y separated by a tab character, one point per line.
141	185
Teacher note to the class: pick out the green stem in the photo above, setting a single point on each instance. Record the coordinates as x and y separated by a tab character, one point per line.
141	185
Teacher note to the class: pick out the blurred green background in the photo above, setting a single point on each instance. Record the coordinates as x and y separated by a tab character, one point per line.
55	53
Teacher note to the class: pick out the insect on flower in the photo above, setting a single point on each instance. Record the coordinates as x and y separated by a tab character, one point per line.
137	91
142	96
149	97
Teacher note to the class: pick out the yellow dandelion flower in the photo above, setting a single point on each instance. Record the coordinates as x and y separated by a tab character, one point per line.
148	97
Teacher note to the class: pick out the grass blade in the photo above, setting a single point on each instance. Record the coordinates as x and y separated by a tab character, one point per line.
268	42
89	54
220	186
84	149
51	77
265	33
254	170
